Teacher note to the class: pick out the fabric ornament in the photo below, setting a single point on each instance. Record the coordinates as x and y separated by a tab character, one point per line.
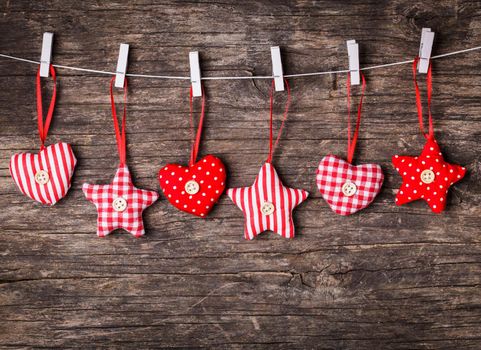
268	204
345	187
45	176
195	188
427	176
119	204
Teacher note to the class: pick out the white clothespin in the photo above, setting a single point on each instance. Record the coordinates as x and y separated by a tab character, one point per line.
427	39
353	53
46	56
277	71
195	78
121	66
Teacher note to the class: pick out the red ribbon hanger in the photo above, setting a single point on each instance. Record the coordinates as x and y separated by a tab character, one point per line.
429	88
272	146
351	143
196	136
120	136
43	129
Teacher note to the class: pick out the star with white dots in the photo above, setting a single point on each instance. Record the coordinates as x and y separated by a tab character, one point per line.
426	177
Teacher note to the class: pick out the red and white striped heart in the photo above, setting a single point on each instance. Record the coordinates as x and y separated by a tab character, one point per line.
46	176
348	188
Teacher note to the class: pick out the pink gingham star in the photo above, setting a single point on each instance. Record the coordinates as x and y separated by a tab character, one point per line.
267	204
120	204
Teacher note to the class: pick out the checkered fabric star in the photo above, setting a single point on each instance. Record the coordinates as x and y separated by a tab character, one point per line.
426	177
120	204
267	204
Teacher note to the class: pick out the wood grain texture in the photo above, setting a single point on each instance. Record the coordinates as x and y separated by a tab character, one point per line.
385	278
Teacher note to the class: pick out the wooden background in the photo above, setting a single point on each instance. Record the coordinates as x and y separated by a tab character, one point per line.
386	278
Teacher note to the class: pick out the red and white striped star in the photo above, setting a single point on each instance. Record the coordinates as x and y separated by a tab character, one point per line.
267	204
120	204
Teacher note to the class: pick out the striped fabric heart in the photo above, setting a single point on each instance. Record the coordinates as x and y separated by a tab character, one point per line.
46	176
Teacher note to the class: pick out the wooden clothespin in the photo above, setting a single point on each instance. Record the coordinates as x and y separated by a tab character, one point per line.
195	78
277	70
121	66
46	56
353	53
427	40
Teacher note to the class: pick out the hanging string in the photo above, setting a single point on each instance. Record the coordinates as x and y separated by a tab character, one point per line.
272	146
43	129
119	135
152	76
196	136
429	88
351	143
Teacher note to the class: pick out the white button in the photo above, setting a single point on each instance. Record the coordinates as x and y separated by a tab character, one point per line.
267	208
349	189
427	176
119	204
42	177
192	187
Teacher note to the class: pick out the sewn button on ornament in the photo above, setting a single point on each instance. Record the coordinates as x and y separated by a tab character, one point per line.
42	177
119	204
192	187
267	208
349	189
427	176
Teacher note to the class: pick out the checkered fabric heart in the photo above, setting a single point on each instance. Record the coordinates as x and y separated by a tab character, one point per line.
348	188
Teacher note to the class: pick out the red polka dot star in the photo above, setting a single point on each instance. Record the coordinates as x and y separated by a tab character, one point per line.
426	177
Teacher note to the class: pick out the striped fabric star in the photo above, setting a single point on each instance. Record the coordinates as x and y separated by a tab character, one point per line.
267	204
120	204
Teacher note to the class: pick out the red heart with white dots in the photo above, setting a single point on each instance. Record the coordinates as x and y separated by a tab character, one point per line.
194	189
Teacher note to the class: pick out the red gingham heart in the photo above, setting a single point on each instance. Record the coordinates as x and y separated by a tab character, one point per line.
333	173
44	177
207	178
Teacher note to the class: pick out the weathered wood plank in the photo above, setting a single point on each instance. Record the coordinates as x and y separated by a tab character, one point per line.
386	278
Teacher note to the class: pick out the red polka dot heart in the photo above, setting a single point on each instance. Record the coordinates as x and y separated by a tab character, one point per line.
194	189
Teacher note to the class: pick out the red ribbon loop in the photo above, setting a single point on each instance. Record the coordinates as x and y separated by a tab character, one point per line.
196	136
43	129
351	143
272	146
429	88
120	136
